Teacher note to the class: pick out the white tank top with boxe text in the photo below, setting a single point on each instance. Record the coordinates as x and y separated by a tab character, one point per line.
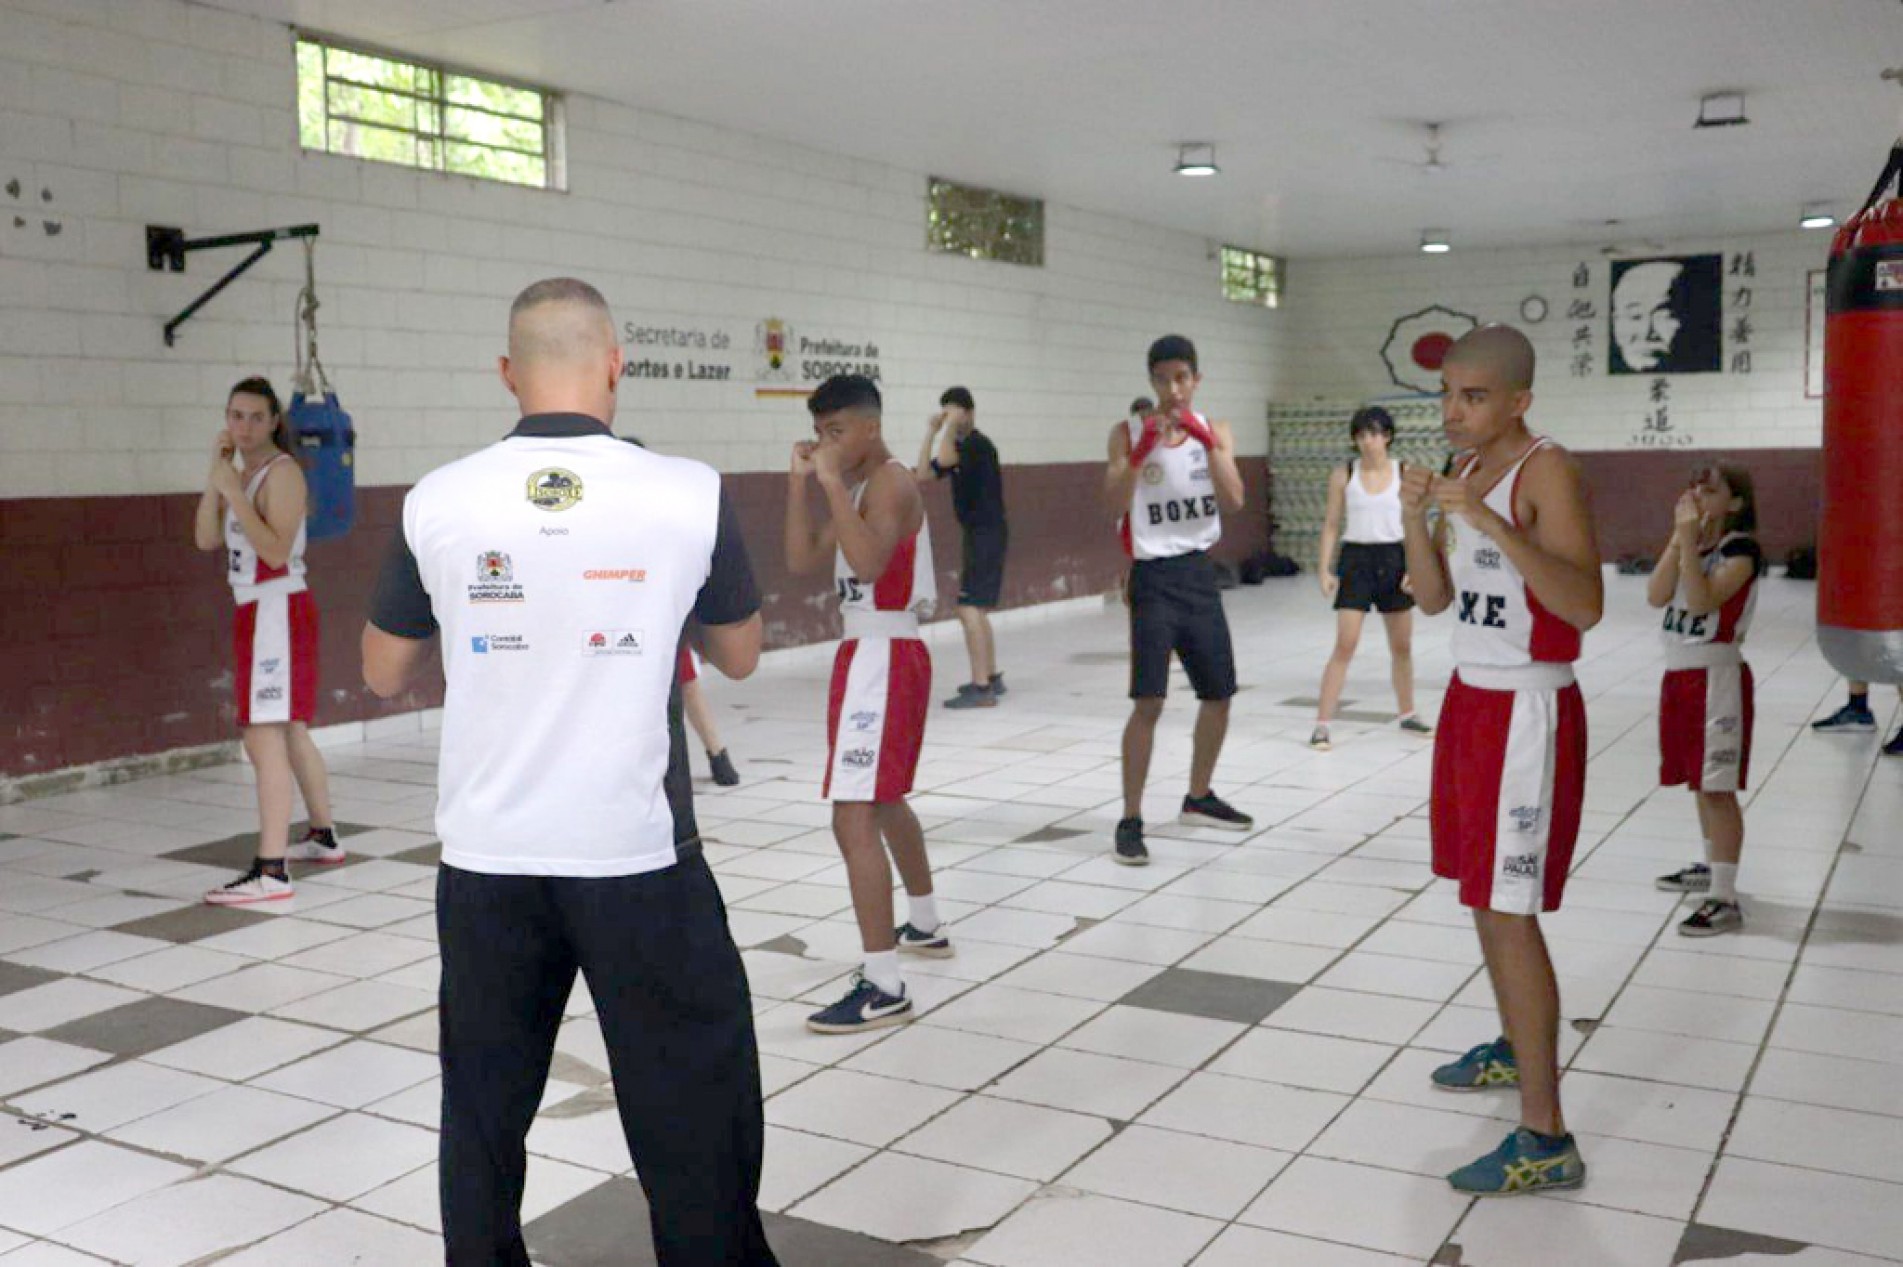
250	576
1373	518
1499	623
1173	510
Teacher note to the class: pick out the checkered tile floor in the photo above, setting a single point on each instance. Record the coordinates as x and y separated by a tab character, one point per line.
1219	1060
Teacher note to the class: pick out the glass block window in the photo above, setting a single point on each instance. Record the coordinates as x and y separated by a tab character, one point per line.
1250	277
396	110
984	224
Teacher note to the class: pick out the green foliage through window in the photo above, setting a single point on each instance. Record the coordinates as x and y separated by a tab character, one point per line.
984	224
391	110
1250	277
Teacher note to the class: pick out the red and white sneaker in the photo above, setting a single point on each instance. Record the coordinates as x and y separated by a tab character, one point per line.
317	848
255	885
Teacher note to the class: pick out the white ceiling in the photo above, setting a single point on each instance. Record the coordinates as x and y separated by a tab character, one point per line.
1559	114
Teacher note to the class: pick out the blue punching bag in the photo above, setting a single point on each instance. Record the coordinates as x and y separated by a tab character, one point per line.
325	438
328	443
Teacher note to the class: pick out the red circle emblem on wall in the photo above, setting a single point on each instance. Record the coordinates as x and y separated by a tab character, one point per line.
1431	349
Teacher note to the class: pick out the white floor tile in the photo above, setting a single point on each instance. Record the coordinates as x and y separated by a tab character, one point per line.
342	1158
352	1075
857	1107
1357	1205
899	1198
244	1049
1814	1206
109	1097
798	1162
190	1222
1560	1234
1297	1059
1253	1247
56	1190
342	1236
1192	1173
222	1124
1007	1137
43	1007
942	1057
1062	1231
1161	1038
1350	1014
1083	1082
1246	1112
32	1062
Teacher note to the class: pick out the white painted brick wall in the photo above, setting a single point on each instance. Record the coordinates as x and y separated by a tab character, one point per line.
1342	310
137	112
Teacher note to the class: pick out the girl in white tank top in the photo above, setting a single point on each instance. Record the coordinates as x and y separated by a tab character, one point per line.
1371	573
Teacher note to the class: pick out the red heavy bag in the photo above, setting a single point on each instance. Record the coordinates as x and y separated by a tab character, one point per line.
1860	546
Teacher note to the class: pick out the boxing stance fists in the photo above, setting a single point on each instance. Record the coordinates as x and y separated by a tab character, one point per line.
1146	439
1195	428
1686	517
1416	490
803	451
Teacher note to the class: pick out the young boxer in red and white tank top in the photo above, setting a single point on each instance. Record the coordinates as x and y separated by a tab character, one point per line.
274	633
876	538
1706	580
1514	556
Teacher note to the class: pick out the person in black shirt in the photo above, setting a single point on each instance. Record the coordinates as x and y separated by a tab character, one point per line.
954	446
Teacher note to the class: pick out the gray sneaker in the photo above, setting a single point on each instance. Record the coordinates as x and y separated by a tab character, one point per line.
1413	725
1318	739
970	696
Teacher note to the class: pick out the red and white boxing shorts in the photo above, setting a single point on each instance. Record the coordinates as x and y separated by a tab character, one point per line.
1705	727
274	658
687	669
1509	783
875	717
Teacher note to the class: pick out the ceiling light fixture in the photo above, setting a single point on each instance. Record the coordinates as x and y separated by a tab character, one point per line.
1721	110
1816	215
1196	158
1434	242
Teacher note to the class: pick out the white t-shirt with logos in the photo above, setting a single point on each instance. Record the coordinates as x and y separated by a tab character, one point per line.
560	566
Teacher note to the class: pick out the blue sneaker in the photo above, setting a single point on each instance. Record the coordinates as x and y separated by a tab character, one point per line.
1848	719
865	1007
1524	1162
1485	1068
933	945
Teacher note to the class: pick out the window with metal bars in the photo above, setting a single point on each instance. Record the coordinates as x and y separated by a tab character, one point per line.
1250	277
984	224
389	109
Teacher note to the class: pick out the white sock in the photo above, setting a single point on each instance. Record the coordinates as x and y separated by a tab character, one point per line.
1724	882
882	969
923	912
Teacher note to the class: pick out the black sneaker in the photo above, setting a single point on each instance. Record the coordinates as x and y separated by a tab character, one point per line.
1846	720
1895	747
997	684
1131	851
971	695
1211	810
865	1007
724	773
1693	879
1711	918
933	945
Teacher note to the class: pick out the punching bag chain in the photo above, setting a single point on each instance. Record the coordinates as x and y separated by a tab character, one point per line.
310	377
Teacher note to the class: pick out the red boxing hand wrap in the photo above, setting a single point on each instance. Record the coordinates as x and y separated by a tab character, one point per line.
1196	429
1151	436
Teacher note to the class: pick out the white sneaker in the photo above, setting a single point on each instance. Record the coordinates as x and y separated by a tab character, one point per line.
254	885
312	849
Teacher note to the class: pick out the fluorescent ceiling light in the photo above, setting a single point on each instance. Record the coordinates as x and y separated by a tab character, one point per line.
1196	159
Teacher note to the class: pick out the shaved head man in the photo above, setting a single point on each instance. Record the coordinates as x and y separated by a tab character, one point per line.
1514	555
562	350
564	802
1501	349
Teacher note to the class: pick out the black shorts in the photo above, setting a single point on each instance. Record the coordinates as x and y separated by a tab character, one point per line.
1176	607
981	578
1371	578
